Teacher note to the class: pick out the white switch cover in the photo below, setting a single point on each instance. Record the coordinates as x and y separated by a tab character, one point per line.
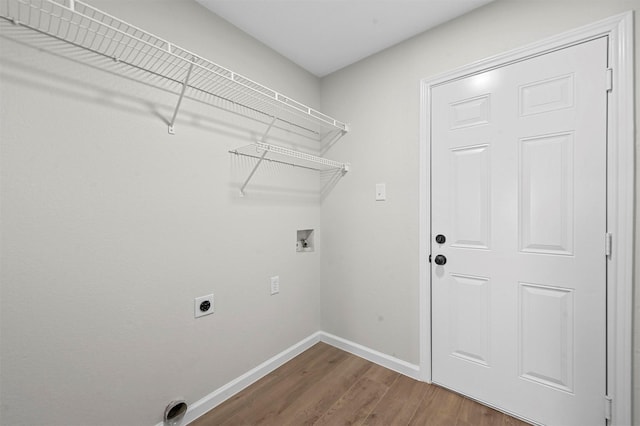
381	192
275	285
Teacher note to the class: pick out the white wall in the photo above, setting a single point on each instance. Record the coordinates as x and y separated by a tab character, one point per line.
370	262
110	227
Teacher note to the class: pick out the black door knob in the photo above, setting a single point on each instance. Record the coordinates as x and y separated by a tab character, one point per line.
440	260
440	239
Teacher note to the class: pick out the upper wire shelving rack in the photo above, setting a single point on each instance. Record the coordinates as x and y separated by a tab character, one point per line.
85	26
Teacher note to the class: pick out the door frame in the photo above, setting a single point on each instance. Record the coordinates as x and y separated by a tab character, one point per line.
620	196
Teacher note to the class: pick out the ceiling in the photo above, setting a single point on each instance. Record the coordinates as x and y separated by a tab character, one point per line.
323	36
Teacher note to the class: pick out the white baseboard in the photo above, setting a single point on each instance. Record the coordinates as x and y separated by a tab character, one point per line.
220	395
387	361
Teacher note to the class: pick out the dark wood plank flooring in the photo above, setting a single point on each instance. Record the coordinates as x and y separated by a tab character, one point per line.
327	386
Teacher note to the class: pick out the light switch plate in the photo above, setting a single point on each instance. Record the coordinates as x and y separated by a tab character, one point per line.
381	192
275	285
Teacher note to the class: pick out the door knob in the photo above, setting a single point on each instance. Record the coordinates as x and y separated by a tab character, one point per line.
440	239
440	260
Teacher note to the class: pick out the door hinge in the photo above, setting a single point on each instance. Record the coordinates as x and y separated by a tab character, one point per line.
609	79
608	243
429	258
608	407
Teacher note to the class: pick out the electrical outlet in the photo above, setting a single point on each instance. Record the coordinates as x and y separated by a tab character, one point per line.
275	285
203	305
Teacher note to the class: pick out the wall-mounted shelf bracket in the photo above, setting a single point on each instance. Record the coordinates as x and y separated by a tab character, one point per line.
260	140
184	88
253	171
330	138
266	132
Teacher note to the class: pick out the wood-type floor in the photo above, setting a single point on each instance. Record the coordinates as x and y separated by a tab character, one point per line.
327	386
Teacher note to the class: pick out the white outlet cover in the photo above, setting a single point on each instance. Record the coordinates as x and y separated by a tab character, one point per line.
198	302
275	285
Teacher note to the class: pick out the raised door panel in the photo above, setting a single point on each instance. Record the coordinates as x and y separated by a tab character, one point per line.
469	321
547	95
470	112
471	197
546	219
546	335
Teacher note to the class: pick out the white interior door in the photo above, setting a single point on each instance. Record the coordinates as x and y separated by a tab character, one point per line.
519	194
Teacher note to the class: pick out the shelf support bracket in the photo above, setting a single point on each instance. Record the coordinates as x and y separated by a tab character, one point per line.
184	87
246	182
261	139
330	139
266	132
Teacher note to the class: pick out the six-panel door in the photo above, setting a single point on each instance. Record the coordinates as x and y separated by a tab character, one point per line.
519	192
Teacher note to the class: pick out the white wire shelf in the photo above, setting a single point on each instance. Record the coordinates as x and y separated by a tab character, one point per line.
290	157
82	25
281	155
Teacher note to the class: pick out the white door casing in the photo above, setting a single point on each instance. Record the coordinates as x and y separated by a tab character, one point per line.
518	187
619	205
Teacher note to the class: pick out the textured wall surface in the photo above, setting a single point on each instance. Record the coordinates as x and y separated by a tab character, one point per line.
111	227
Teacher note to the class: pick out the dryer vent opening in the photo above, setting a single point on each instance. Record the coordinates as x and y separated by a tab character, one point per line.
174	413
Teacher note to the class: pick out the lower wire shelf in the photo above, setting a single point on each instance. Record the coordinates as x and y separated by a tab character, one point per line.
290	157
